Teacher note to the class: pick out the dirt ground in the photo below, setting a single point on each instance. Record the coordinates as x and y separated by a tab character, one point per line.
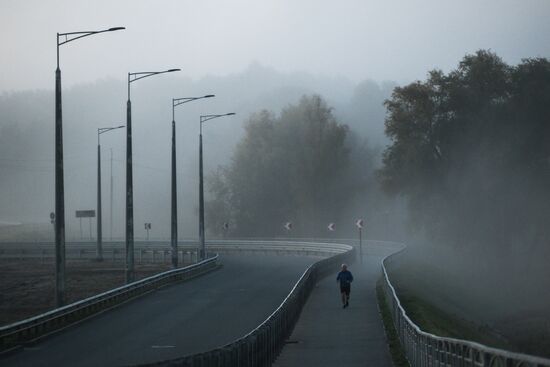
27	286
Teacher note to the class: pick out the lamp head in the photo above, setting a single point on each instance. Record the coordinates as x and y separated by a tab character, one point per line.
116	29
209	96
171	70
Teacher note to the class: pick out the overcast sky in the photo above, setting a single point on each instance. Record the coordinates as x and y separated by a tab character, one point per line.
384	40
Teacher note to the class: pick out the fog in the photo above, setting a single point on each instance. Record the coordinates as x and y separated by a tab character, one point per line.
27	141
354	39
476	221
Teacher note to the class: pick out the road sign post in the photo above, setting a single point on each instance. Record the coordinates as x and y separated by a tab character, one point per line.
85	214
359	224
360	246
147	228
225	228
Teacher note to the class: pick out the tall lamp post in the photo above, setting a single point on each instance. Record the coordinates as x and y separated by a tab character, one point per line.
174	228
62	38
203	119
132	77
99	250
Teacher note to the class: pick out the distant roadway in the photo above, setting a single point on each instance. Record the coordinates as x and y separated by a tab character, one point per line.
177	320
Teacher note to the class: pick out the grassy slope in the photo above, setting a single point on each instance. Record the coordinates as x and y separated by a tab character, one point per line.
436	321
396	351
439	314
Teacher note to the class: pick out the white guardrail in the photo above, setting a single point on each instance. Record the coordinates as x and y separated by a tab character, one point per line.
160	251
13	335
426	350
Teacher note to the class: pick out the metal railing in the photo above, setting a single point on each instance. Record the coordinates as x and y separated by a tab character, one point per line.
160	251
27	330
261	346
13	335
424	349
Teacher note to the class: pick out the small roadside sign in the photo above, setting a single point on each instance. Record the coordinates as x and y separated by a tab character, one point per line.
331	227
85	213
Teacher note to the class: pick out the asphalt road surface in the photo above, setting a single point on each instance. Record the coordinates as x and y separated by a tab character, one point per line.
182	319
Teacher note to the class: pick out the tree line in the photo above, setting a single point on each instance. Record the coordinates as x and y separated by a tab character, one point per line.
468	151
295	167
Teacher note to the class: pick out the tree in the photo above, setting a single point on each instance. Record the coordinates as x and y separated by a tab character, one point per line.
292	167
470	150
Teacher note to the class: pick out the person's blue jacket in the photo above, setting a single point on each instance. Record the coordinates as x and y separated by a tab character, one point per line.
345	278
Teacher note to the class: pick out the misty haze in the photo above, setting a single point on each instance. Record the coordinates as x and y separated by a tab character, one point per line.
183	183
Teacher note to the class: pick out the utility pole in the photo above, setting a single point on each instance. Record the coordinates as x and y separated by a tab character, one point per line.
359	223
100	131
111	204
62	38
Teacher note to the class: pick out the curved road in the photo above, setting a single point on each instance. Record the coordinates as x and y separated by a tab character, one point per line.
177	320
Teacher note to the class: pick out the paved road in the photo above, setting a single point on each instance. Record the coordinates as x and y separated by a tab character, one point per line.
327	335
178	320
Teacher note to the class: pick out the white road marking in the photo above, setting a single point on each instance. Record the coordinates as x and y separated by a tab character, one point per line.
33	348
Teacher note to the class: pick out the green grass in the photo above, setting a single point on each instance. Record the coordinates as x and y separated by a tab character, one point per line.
435	321
431	300
396	351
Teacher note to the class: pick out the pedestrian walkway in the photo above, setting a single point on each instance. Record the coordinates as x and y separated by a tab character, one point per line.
328	335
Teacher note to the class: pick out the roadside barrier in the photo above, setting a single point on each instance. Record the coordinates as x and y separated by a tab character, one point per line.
160	251
13	335
424	349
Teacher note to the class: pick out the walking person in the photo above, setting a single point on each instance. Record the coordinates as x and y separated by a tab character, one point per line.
345	278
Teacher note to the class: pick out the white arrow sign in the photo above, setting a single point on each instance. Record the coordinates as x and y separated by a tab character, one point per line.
226	226
288	226
359	223
330	227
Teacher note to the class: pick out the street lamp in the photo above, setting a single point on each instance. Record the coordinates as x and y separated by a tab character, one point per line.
132	77
99	251
174	228
203	118
62	38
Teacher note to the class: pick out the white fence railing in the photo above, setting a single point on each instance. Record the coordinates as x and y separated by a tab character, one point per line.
427	350
160	251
